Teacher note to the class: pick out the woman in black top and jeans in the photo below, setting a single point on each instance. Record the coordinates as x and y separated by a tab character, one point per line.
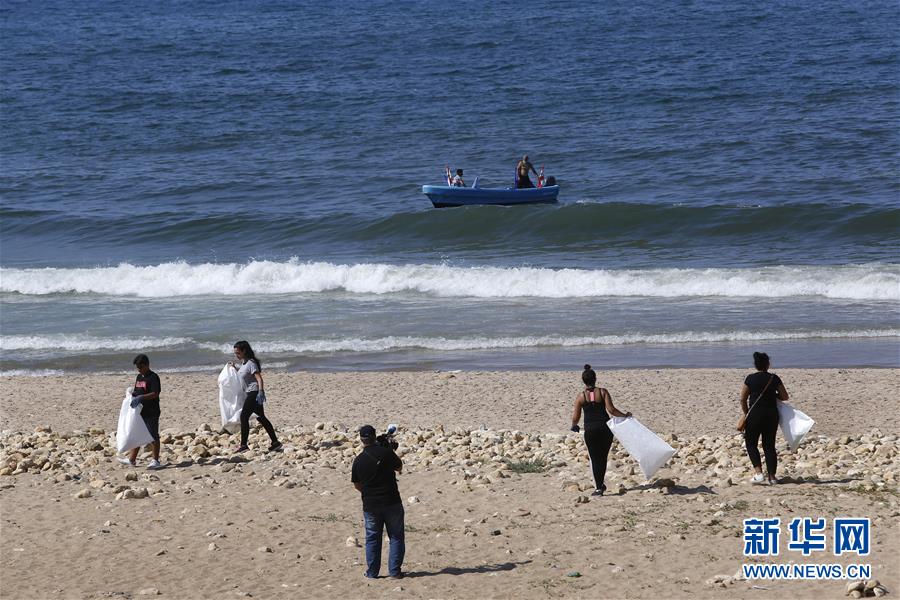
597	406
763	390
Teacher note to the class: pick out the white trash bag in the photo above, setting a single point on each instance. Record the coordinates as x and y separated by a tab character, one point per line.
132	432
794	424
231	398
647	448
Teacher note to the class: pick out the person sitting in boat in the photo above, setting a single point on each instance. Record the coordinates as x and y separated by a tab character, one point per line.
522	169
457	180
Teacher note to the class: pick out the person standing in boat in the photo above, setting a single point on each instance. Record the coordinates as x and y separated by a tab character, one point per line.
522	169
457	180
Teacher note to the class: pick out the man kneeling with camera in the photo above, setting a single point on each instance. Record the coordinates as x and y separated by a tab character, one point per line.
373	475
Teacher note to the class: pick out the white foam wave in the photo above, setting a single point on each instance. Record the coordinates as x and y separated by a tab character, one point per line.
857	282
186	369
32	373
488	343
81	343
214	368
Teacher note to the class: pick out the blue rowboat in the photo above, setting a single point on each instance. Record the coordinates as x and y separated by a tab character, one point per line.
442	196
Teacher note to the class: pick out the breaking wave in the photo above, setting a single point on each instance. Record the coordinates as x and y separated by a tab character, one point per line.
877	281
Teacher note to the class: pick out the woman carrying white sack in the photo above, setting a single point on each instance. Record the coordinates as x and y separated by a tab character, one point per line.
251	374
764	390
597	405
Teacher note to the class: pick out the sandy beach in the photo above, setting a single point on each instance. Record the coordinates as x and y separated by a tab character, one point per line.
75	524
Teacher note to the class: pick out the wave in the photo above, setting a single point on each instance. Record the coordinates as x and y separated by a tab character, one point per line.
32	373
81	343
185	369
488	343
876	281
216	367
629	223
75	343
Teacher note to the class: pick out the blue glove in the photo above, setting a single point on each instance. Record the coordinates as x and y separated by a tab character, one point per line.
136	400
575	428
261	398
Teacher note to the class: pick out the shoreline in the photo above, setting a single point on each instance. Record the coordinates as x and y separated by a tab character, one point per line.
839	353
12	375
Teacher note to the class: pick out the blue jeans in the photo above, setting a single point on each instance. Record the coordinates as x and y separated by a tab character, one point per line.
390	517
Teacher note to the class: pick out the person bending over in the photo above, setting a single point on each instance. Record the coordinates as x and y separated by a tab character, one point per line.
597	406
250	373
373	476
763	390
146	394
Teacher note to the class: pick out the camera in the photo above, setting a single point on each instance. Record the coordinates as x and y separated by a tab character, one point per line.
386	439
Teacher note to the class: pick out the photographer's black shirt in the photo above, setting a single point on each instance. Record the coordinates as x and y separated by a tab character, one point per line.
374	469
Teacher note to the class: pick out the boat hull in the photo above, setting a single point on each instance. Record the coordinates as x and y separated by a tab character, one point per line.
443	196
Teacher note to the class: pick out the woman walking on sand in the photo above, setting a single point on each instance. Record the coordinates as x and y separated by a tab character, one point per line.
597	405
764	390
250	373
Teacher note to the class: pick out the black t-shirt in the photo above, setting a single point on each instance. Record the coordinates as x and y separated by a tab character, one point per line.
145	384
757	382
374	468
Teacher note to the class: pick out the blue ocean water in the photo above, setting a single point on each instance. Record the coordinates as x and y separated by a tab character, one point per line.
177	176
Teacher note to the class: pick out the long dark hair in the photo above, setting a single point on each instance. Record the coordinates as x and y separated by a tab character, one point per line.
589	376
248	353
761	361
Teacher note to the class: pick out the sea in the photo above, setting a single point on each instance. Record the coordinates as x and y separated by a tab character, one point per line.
179	175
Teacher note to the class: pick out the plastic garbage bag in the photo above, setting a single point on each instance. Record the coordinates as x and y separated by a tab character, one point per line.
231	398
647	448
794	424
132	432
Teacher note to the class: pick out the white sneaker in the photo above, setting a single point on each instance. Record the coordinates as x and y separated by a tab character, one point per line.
759	479
154	464
126	461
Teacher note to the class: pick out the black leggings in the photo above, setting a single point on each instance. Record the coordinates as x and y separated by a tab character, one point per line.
250	407
767	427
598	439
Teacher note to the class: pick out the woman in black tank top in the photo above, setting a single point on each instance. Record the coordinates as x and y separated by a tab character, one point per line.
597	405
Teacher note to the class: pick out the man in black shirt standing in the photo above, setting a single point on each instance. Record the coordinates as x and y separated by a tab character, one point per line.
373	475
146	393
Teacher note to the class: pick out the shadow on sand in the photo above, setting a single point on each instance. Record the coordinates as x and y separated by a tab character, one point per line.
675	490
508	566
816	480
178	465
